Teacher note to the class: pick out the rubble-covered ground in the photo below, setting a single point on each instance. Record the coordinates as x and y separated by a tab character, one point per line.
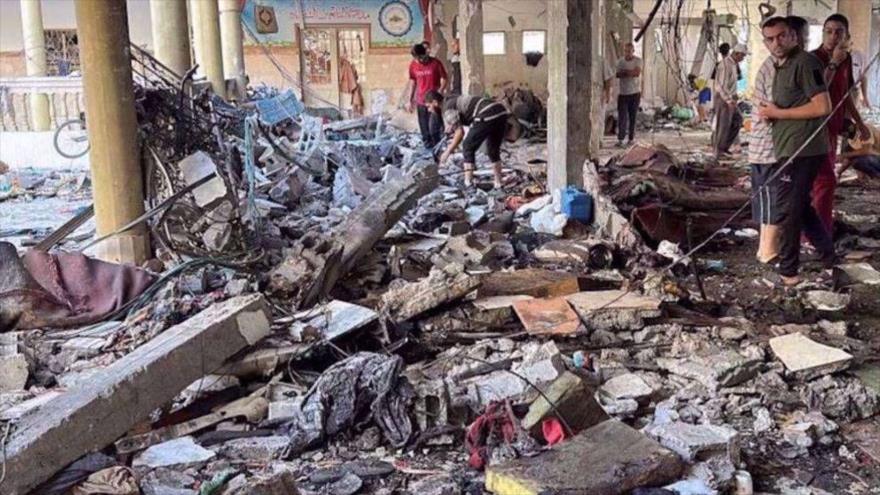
368	325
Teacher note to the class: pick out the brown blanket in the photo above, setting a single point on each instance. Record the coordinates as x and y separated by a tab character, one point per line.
64	289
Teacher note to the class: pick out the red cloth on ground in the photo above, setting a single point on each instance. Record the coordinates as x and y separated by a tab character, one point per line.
496	421
552	430
426	76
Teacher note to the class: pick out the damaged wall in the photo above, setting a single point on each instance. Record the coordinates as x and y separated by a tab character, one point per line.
512	18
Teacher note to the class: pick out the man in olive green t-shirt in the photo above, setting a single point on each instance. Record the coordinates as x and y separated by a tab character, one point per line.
797	112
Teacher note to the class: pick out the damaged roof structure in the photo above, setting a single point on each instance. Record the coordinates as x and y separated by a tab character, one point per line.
327	309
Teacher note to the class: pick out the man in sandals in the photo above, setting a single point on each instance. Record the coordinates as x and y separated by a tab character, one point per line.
797	111
487	122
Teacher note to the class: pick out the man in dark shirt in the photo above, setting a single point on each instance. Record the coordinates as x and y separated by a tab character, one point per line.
427	74
800	103
835	57
487	122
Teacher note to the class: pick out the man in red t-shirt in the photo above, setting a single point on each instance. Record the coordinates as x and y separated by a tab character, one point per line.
427	74
834	55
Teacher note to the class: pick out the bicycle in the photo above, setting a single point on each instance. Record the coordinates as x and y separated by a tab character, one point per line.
71	138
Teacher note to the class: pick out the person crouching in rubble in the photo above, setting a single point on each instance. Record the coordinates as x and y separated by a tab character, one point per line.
487	122
863	155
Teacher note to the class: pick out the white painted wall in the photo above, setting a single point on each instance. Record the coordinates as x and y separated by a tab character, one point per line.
35	149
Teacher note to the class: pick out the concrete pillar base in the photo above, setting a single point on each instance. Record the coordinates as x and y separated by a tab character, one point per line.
124	248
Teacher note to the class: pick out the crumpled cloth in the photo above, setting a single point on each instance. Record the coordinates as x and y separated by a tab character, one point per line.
363	388
552	430
117	480
63	289
73	474
496	423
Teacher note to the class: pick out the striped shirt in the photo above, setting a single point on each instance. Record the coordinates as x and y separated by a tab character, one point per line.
725	80
761	137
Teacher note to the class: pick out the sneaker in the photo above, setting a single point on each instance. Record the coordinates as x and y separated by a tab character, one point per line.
619	144
629	143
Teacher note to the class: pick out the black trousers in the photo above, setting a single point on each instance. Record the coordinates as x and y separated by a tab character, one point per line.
795	186
431	126
627	108
492	132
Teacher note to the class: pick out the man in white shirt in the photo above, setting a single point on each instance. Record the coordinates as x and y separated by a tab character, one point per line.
728	119
629	70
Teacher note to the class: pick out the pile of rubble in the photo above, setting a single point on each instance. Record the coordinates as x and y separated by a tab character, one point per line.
331	312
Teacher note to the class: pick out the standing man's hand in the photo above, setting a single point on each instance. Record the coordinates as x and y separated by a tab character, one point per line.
444	157
409	107
731	104
768	110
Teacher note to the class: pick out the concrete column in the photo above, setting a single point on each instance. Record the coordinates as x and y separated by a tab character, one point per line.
470	32
575	30
171	34
114	156
35	59
205	19
231	40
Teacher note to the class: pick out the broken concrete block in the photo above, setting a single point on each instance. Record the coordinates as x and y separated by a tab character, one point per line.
541	364
835	328
271	483
127	391
763	420
856	273
547	316
164	481
626	386
842	398
614	309
442	484
608	459
724	369
825	300
531	282
332	320
440	287
574	401
696	442
19	410
196	167
13	372
180	453
282	409
806	359
253	449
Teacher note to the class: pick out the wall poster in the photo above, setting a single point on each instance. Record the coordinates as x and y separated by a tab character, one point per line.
393	23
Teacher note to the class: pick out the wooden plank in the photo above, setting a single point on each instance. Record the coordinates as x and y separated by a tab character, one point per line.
125	393
547	316
530	282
